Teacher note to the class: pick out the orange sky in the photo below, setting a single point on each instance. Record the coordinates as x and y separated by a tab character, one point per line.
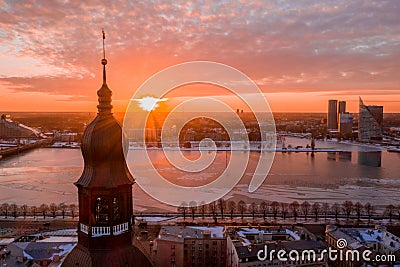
299	54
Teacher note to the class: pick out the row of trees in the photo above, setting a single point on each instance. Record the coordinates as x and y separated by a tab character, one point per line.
294	210
52	210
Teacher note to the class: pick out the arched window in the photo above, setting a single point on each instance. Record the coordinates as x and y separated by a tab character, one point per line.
101	210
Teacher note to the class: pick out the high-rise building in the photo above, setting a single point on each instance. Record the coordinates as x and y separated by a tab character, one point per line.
345	125
370	120
342	107
332	122
105	194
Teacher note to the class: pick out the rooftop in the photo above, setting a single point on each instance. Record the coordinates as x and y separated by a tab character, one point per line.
179	233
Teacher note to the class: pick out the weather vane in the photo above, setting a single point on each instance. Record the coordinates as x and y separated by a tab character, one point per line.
104	61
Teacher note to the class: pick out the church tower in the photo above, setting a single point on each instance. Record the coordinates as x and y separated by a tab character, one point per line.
105	193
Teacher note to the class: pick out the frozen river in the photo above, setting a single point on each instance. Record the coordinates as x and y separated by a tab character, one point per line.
46	175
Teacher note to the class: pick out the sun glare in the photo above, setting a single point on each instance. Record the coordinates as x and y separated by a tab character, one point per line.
149	103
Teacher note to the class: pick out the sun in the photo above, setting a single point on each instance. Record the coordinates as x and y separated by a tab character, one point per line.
149	103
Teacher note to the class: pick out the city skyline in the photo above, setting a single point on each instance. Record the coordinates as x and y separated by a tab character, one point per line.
308	51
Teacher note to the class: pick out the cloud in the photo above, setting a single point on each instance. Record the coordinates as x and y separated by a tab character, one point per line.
284	46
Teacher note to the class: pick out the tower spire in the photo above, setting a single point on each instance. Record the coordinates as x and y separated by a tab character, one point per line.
104	93
104	60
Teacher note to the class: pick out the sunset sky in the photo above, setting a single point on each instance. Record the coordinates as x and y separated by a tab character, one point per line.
300	53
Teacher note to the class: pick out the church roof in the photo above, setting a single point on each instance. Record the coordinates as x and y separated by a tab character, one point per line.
127	256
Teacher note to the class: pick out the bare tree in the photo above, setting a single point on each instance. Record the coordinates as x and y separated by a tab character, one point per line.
253	209
212	207
305	209
316	208
325	209
72	209
33	210
203	209
192	208
264	208
5	208
44	208
369	209
53	209
348	208
358	208
24	209
182	209
398	212
241	207
294	209
14	209
221	206
63	208
389	211
284	209
275	208
231	208
336	210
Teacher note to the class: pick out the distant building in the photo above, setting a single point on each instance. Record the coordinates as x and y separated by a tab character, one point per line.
342	107
369	122
345	125
332	123
377	239
179	246
11	130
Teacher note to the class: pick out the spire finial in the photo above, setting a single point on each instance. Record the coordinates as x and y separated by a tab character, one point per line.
104	60
104	92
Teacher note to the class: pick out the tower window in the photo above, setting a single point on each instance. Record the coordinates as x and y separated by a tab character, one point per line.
101	210
116	213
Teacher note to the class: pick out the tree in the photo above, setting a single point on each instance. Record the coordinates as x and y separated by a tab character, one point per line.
231	208
24	209
369	209
253	209
264	208
34	210
241	207
316	208
221	206
389	211
63	208
44	208
182	209
336	210
213	208
294	209
398	212
305	209
192	208
275	208
5	208
358	208
347	208
203	209
284	210
72	209
53	209
14	210
325	209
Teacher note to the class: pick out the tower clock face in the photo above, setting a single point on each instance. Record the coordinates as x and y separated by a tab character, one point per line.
101	210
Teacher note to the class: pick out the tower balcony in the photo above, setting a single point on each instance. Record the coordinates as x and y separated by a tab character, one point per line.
97	231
